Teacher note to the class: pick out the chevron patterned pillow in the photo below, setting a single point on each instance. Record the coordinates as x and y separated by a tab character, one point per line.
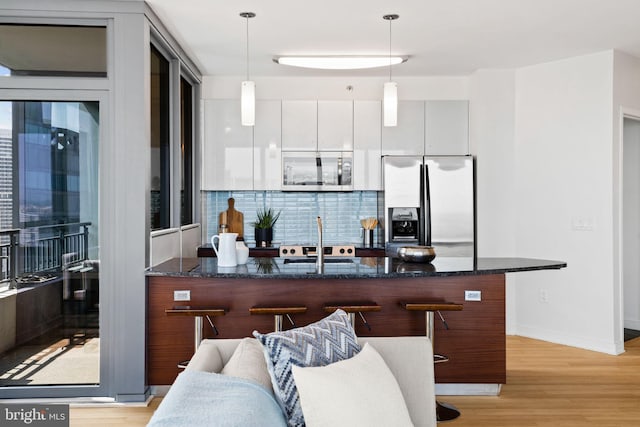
329	340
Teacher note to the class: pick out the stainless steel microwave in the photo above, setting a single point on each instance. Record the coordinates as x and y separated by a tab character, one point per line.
317	171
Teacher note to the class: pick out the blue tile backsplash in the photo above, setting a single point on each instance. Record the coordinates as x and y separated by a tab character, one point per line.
340	213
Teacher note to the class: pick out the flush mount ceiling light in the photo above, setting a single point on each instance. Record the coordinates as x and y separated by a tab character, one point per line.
337	62
248	87
390	98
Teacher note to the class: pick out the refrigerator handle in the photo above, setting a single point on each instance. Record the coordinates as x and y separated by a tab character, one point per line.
426	197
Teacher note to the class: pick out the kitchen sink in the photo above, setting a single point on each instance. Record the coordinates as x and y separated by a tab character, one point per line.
313	260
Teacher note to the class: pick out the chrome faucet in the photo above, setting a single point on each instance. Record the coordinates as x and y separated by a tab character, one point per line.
319	250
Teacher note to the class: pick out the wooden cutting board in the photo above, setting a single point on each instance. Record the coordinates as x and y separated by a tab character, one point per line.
233	218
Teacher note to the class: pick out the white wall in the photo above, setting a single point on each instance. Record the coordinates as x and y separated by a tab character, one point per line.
563	173
491	129
491	134
335	88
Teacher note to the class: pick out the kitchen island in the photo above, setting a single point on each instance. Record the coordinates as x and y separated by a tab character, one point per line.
474	341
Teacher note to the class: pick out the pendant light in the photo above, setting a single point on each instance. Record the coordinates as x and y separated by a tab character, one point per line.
390	98
248	87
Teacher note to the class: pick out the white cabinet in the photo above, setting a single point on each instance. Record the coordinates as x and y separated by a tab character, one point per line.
236	157
335	125
367	145
267	162
227	152
446	127
300	125
317	125
407	138
428	128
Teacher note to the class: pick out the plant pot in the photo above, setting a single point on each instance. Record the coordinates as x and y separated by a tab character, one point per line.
263	236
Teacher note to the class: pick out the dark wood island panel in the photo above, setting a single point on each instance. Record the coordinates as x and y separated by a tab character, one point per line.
475	340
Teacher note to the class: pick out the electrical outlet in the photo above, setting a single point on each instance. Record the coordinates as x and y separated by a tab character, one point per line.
544	296
182	295
473	295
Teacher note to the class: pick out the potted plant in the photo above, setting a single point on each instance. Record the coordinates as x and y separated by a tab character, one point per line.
263	227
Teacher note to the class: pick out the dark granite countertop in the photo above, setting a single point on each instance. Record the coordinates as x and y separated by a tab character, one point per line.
349	268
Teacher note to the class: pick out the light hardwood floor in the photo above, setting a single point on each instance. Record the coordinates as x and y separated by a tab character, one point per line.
547	385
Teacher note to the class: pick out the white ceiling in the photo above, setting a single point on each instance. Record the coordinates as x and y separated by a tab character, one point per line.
441	37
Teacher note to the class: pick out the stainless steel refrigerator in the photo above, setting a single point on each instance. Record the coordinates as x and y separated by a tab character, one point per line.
430	201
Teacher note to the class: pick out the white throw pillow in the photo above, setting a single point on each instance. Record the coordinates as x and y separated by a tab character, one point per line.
247	362
360	391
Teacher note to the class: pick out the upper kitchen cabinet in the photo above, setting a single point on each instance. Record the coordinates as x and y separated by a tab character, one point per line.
267	161
227	152
335	125
367	145
317	125
300	125
446	127
407	138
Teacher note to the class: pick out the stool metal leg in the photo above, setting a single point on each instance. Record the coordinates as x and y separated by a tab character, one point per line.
444	411
215	330
277	322
197	331
428	322
197	338
352	318
198	322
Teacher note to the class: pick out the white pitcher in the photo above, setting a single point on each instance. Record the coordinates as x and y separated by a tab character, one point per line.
242	253
226	251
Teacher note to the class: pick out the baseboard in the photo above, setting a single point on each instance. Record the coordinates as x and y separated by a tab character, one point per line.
159	390
468	389
133	398
585	343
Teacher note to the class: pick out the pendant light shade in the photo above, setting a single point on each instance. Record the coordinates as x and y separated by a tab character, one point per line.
248	87
390	95
248	103
390	104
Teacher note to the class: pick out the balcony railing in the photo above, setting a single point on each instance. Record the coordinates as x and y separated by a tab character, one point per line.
41	249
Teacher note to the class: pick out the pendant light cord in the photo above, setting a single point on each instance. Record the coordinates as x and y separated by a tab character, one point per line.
247	15
390	18
247	18
390	49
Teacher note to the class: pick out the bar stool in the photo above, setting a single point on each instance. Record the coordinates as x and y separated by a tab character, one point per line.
278	313
444	411
352	308
198	315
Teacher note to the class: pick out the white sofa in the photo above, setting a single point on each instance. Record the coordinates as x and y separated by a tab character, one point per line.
191	403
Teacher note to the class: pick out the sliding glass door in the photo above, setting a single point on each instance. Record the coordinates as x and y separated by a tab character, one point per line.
50	245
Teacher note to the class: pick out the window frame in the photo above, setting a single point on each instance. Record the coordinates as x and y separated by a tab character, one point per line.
178	69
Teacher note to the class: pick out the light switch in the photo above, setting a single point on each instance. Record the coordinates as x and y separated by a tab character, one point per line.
583	223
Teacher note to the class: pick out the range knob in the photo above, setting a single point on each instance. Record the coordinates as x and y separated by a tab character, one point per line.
285	251
293	251
342	250
349	251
